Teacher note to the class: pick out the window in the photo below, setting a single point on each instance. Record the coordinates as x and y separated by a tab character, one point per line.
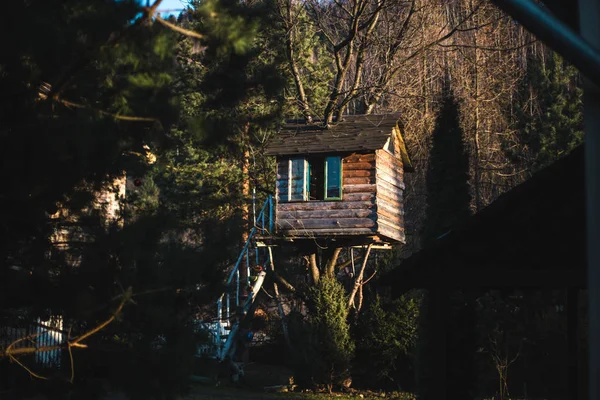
297	179
312	178
333	178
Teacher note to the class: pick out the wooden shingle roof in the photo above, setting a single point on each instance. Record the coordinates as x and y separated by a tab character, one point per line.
354	133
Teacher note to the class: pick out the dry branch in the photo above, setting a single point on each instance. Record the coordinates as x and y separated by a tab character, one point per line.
12	353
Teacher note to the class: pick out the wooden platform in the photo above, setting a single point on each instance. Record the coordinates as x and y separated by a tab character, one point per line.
375	241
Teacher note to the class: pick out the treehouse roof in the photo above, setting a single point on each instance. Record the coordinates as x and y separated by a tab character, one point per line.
355	133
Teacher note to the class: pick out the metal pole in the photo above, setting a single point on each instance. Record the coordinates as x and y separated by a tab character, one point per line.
589	21
557	34
270	215
254	206
247	268
237	288
262	224
227	307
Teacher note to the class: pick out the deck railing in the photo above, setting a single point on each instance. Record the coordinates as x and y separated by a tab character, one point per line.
263	224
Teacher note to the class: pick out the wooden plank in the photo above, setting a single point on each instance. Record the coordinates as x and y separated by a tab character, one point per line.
393	221
390	232
368	157
390	200
355	173
392	176
396	218
327	232
387	158
390	179
394	196
389	224
358	165
325	214
391	203
388	209
320	205
329	223
390	162
359	181
390	190
358	196
359	189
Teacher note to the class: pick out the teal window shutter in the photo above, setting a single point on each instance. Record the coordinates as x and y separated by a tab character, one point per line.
333	178
297	179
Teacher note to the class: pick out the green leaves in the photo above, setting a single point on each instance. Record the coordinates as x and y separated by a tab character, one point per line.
228	29
388	330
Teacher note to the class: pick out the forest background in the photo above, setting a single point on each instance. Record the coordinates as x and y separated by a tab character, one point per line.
186	107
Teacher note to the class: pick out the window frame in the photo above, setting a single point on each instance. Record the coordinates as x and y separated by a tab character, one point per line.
304	177
291	179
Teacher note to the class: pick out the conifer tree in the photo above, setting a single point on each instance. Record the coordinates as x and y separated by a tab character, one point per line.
548	113
90	90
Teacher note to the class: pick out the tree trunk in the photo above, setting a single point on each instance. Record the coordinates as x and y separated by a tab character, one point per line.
314	268
331	262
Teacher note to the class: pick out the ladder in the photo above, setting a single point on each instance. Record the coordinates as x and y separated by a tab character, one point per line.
225	330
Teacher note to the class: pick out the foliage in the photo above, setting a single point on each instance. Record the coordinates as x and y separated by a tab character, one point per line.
322	345
385	336
308	49
548	113
91	90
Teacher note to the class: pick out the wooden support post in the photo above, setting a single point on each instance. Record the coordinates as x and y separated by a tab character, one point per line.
358	279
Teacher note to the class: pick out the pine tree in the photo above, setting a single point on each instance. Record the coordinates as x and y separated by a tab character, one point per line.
548	116
89	87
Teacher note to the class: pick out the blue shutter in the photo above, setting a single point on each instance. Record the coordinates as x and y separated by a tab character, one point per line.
333	178
297	178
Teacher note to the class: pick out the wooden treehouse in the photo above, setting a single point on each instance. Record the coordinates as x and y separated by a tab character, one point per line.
343	184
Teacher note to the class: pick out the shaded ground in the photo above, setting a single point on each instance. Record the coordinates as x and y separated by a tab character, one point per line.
224	393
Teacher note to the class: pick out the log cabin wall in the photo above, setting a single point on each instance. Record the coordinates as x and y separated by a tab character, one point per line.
355	214
389	201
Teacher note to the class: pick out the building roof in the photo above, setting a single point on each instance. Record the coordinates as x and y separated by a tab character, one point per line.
532	235
354	133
